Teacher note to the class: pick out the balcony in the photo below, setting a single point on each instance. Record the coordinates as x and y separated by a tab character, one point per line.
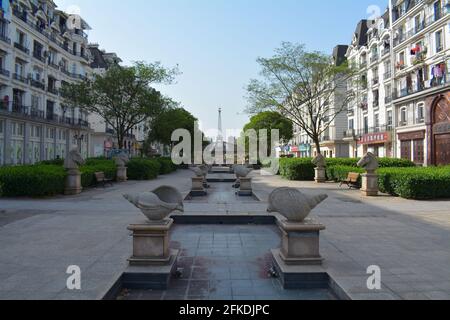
22	15
4	72
21	47
387	75
68	121
20	78
19	108
53	90
5	39
388	99
53	65
375	81
37	84
397	13
363	64
82	123
385	51
38	55
52	117
350	134
36	113
374	58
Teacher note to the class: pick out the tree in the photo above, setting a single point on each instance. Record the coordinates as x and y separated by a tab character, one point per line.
271	121
307	87
165	123
123	96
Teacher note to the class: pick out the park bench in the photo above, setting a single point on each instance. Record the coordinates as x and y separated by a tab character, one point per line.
100	178
352	180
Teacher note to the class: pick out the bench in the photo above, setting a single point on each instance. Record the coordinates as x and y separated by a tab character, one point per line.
100	178
352	180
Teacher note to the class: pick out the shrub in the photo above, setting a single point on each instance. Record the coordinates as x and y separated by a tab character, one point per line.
143	169
97	165
167	166
340	173
416	183
32	181
56	162
297	169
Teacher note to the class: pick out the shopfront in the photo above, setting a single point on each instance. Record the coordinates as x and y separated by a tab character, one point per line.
412	146
380	143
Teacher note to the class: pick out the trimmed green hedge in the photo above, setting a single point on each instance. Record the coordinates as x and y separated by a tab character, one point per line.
303	169
167	166
97	165
32	181
416	183
143	169
297	169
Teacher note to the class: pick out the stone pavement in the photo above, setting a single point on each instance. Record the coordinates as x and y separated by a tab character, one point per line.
409	240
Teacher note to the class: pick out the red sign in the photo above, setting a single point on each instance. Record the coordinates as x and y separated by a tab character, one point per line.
295	149
375	138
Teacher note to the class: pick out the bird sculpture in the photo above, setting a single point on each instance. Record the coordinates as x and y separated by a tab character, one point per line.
157	204
293	204
242	171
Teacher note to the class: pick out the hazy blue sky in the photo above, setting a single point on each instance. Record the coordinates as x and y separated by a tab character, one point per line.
216	42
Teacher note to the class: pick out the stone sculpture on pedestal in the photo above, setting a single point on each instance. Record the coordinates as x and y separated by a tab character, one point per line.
121	163
73	179
151	240
243	182
198	182
320	170
369	186
300	236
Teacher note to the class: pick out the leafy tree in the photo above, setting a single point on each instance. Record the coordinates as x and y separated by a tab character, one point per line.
307	87
270	120
165	123
123	95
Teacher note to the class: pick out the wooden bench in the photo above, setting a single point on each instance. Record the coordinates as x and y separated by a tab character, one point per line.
101	179
352	180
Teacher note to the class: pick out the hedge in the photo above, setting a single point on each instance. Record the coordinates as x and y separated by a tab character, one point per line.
167	165
416	183
297	169
303	169
32	181
143	169
97	165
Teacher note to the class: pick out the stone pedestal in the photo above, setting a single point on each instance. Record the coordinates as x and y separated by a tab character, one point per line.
73	182
300	242
320	175
122	174
151	244
245	187
198	189
369	186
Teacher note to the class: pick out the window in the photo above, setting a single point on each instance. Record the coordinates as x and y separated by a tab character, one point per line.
19	68
419	151
420	113
377	122
390	120
403	116
438	36
1	126
351	124
366	125
21	38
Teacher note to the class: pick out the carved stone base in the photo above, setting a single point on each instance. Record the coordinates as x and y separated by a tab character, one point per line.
369	186
320	175
198	189
245	187
122	174
73	182
300	242
151	243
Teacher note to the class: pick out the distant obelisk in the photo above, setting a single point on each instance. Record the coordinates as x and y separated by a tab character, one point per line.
220	129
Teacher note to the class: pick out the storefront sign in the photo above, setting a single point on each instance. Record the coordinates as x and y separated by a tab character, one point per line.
294	149
304	147
408	136
375	138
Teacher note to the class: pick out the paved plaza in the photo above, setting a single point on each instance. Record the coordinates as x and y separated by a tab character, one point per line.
408	240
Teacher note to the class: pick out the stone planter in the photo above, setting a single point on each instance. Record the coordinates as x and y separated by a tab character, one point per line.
198	189
122	174
245	187
73	182
320	175
300	242
151	243
369	186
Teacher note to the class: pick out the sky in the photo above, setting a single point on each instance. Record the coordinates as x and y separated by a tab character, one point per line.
216	42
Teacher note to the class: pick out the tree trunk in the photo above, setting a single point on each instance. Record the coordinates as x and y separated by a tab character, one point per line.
317	143
120	141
